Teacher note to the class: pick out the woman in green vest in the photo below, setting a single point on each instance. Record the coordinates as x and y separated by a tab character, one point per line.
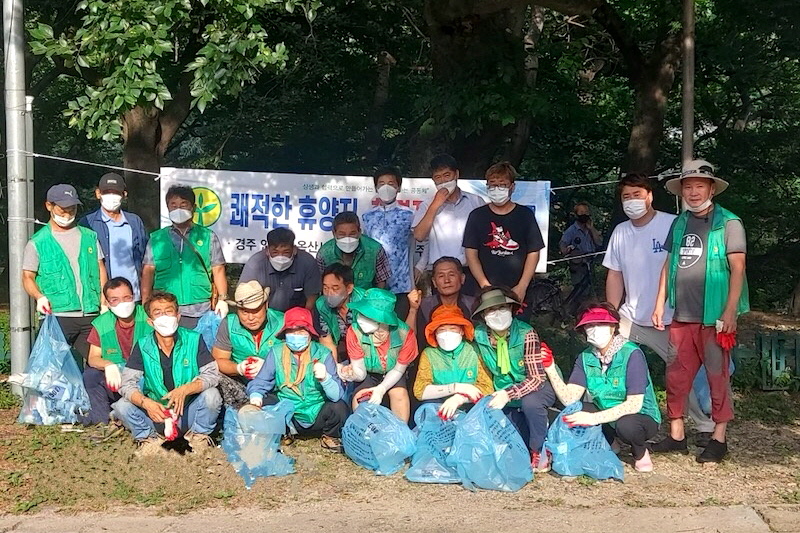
450	367
511	350
380	347
302	371
614	371
350	247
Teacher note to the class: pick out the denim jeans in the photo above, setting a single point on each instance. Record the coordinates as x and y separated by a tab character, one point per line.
200	416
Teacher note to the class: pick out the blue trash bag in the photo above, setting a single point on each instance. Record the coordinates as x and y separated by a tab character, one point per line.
581	450
373	437
251	439
434	442
701	389
207	326
53	391
488	451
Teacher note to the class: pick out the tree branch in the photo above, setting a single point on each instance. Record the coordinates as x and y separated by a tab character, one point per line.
175	112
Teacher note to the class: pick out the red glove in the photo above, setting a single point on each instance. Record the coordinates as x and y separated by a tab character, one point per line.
547	355
726	340
170	425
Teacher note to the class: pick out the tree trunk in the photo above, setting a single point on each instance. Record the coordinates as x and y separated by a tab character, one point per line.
372	141
141	133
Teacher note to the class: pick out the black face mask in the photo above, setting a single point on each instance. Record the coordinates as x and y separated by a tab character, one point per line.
583	219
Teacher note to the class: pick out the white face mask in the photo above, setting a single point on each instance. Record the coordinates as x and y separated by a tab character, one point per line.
347	244
281	262
635	208
449	185
111	202
499	195
124	309
166	325
63	221
387	193
179	216
498	320
367	325
702	207
448	340
599	336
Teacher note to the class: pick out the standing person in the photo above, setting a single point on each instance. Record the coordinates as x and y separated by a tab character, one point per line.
365	255
502	239
170	372
332	313
185	259
704	280
442	219
579	239
389	223
111	341
121	233
511	350
63	269
614	371
291	274
634	260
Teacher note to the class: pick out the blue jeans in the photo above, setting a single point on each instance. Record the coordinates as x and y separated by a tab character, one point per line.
200	416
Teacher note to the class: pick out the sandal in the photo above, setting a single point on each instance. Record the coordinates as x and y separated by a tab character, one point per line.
331	444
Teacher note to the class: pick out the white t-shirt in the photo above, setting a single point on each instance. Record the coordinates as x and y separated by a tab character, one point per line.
447	232
639	254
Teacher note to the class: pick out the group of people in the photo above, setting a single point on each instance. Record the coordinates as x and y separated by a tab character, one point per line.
349	326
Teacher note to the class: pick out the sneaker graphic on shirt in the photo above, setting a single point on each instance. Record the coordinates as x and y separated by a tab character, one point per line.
501	239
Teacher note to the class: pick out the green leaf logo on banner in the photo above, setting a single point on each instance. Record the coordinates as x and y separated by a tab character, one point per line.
208	207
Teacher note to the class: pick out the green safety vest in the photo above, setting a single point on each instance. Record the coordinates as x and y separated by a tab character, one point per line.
372	361
243	344
458	366
366	255
718	273
309	402
609	390
328	315
106	323
55	277
184	362
516	348
182	273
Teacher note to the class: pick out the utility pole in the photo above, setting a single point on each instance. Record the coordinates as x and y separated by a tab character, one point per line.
687	134
14	41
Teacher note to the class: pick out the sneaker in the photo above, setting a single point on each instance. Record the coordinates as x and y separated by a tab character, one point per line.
715	452
645	464
541	464
150	447
287	440
701	438
331	444
198	442
668	444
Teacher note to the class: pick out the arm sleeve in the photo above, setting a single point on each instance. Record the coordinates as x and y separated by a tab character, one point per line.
735	238
668	241
611	260
332	385
264	381
419	214
636	374
209	375
359	370
130	382
393	376
578	376
472	235
148	255
223	340
100	254
217	257
93	338
534	369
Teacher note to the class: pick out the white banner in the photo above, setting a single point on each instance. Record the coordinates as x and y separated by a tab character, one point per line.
241	207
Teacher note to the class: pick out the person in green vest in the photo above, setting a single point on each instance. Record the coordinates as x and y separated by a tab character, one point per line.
704	280
614	372
186	260
365	255
511	350
170	381
244	339
111	341
302	371
380	347
332	312
450	368
63	270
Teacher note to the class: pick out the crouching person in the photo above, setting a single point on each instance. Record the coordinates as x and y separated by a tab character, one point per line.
178	380
302	371
614	371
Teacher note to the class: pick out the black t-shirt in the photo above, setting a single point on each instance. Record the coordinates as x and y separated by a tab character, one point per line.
503	242
135	361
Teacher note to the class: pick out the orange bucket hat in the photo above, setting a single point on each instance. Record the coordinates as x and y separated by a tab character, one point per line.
448	315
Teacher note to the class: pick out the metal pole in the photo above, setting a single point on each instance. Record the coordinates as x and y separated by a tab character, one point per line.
30	170
14	49
687	135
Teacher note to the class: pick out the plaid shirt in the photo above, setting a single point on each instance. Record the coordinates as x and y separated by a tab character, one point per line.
534	369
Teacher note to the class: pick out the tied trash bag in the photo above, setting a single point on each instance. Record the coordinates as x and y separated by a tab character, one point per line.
488	451
373	437
207	326
251	439
434	442
581	450
53	391
701	389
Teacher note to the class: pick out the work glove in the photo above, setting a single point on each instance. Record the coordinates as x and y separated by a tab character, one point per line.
581	418
43	305
320	372
221	309
448	409
499	399
250	367
470	391
113	377
377	395
256	399
170	424
345	372
547	355
726	340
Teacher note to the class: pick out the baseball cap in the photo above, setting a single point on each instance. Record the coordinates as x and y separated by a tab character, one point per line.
63	195
111	182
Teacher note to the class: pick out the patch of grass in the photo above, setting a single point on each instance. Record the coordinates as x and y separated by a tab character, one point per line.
15	479
768	407
224	494
586	481
8	400
791	497
710	502
24	506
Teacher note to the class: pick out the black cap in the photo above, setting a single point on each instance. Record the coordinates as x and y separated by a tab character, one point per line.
112	182
63	195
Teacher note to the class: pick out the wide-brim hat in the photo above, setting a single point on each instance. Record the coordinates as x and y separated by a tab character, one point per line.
249	295
298	317
378	305
448	315
491	299
596	315
696	169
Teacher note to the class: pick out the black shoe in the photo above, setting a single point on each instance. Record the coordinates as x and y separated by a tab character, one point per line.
715	452
701	438
668	444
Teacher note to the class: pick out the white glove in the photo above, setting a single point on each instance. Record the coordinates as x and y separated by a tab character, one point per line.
170	425
471	391
377	395
345	372
113	377
499	399
256	400
221	309
250	367
43	305
451	405
320	372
